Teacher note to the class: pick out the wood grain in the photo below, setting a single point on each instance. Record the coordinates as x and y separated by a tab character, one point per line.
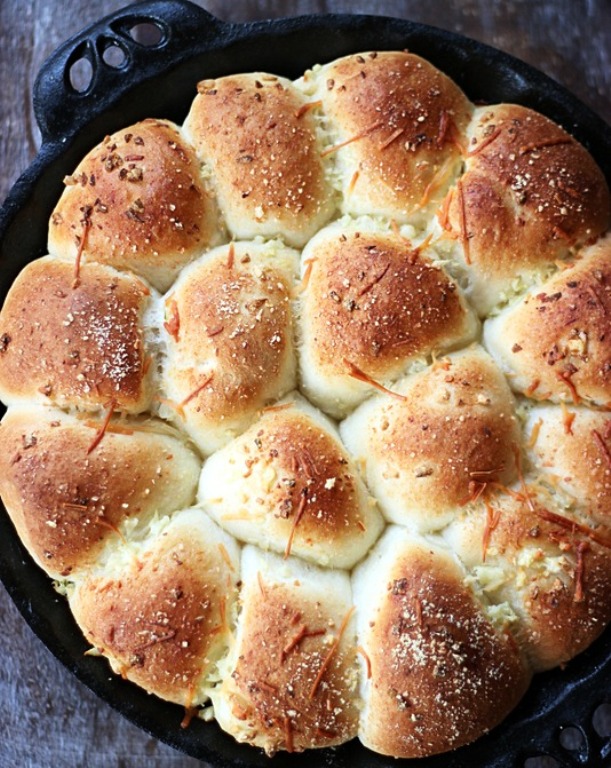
47	718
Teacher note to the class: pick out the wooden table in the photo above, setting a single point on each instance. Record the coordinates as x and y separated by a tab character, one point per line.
47	718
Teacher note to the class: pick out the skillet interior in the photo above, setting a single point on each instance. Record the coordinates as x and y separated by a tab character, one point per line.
159	81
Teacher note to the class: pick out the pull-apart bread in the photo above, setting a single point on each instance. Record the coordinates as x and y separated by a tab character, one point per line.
307	405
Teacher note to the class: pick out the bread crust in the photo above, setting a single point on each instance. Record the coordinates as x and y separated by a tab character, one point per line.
76	342
555	343
256	135
300	693
554	570
448	433
229	339
373	303
68	499
439	673
162	617
137	201
397	120
289	485
530	195
571	446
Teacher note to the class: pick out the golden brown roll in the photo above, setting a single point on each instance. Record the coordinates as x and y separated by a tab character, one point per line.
137	201
395	124
436	442
228	334
437	671
372	305
257	140
288	484
80	345
290	682
530	194
554	344
533	553
161	609
71	485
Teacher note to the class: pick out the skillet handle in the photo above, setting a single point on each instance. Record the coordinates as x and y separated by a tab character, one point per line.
130	45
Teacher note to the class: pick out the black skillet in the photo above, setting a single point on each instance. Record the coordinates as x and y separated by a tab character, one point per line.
159	80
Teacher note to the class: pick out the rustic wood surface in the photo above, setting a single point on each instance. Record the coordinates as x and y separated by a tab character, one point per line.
47	718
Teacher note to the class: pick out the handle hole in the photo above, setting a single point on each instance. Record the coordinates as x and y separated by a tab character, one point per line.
601	720
114	56
146	33
571	739
80	74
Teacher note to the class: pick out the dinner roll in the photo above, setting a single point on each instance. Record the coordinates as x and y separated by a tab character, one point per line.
438	672
70	485
160	611
530	195
80	345
571	447
554	344
438	441
288	484
257	141
290	681
228	334
372	305
395	124
536	554
137	201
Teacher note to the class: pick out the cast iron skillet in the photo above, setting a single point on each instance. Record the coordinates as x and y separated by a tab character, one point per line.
159	81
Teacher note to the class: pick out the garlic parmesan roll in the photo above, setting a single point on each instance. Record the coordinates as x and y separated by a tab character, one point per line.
290	682
137	201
